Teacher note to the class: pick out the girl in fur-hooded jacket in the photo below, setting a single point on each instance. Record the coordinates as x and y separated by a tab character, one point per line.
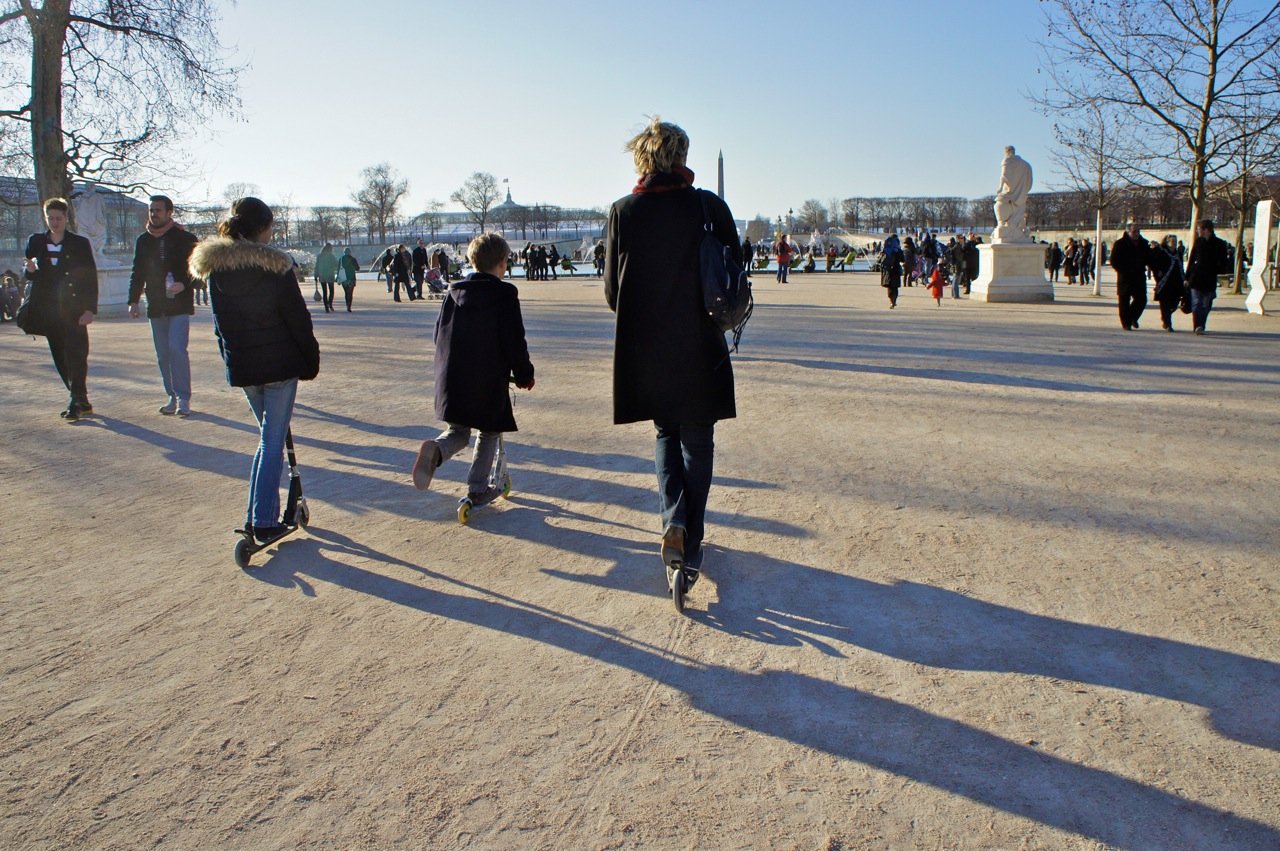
261	320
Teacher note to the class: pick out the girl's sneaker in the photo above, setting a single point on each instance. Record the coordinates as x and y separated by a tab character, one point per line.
485	496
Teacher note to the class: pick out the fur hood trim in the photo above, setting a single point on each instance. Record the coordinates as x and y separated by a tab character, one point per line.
228	255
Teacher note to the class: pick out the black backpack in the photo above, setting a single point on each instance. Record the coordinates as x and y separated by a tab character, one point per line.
726	289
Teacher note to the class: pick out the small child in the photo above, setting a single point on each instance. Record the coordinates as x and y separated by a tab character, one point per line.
937	281
480	348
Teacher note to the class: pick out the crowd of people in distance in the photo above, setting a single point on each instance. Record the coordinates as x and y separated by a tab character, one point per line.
923	259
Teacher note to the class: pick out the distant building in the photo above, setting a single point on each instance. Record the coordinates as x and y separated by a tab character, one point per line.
21	216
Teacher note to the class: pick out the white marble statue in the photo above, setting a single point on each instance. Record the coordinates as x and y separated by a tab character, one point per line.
1011	199
91	220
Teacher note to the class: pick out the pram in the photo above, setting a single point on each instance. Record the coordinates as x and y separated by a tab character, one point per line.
436	287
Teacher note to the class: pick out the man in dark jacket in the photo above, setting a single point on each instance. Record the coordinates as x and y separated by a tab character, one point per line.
421	260
1208	257
959	277
160	258
1130	257
480	347
64	292
971	261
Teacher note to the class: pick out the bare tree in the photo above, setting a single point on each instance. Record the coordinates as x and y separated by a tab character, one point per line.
328	223
478	195
347	217
379	196
113	86
1256	154
1091	153
235	191
1173	69
811	216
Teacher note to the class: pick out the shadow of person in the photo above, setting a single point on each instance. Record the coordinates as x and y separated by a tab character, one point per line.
829	717
782	602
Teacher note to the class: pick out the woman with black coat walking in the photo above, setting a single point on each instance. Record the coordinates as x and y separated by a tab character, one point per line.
265	336
64	292
670	363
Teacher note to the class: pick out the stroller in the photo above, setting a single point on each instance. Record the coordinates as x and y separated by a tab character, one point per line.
436	286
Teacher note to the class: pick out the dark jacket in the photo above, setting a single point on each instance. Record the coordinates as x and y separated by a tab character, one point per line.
1130	258
670	361
1208	255
153	258
420	258
1167	269
259	315
71	287
972	259
480	348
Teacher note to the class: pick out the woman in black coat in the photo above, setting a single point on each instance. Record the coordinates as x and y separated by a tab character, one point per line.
264	334
670	363
1166	268
64	294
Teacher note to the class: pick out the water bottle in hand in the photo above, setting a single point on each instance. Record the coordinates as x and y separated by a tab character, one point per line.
171	287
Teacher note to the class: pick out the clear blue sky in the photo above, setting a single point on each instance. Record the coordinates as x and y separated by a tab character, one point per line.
822	99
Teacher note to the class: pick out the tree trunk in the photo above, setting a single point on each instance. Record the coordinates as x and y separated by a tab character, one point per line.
1237	273
48	33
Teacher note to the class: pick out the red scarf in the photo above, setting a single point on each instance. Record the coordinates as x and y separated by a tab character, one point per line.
664	181
159	232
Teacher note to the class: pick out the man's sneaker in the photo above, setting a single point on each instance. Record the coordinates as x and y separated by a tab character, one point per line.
184	408
72	413
424	467
170	408
1200	331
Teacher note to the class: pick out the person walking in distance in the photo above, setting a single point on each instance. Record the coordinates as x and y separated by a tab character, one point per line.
783	250
327	275
160	257
1208	257
64	283
1131	257
421	260
671	362
347	268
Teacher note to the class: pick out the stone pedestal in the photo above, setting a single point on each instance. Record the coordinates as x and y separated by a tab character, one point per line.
1011	271
113	290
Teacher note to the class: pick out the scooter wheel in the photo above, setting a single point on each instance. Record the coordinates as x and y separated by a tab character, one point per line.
506	487
464	511
678	588
243	553
303	515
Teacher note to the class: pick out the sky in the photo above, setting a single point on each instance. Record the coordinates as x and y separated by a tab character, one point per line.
821	99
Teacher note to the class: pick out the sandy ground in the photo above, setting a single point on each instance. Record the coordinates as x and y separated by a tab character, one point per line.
980	576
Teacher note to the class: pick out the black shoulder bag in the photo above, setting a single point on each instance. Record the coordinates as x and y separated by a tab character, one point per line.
726	289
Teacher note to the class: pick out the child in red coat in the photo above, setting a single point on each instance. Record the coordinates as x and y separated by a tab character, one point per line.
936	282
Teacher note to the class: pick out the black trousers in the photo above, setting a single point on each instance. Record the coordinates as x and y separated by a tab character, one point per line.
1132	297
69	345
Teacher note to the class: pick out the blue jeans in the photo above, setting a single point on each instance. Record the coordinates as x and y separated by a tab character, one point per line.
957	279
783	268
272	406
170	334
1201	304
683	459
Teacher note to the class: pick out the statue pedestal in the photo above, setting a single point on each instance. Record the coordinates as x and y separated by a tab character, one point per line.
113	290
1011	271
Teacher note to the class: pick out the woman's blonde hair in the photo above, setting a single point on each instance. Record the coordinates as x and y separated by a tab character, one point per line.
660	147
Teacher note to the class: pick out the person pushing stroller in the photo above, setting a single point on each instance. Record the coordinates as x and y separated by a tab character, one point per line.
480	348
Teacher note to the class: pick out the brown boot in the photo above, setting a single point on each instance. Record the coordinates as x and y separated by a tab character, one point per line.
673	546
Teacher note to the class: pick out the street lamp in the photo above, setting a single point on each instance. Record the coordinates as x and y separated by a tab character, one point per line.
790	225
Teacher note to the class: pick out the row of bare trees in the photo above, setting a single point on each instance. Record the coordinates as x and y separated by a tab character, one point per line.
1184	93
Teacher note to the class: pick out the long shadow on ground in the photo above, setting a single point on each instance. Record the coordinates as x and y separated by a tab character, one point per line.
902	620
